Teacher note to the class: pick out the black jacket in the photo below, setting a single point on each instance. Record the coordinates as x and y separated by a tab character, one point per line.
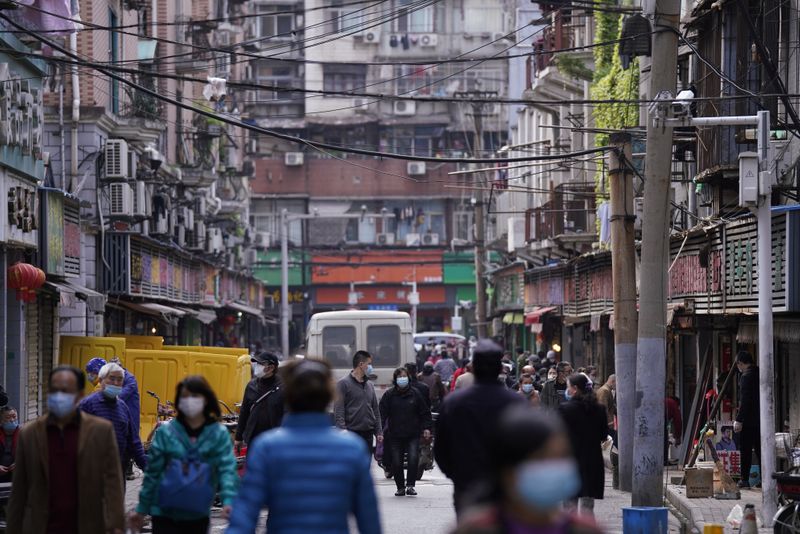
748	412
467	421
423	388
587	427
405	412
260	413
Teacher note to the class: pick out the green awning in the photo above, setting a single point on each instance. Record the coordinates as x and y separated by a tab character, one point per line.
514	318
466	293
147	49
508	318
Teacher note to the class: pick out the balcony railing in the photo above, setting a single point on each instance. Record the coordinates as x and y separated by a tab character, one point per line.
571	210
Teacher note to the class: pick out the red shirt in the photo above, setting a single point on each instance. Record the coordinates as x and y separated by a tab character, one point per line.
62	448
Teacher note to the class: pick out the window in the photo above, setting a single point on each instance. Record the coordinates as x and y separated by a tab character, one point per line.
383	342
462	225
276	21
346	20
339	345
343	77
413	19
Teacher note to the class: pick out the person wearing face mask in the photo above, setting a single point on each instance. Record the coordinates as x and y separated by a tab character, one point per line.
107	404
527	390
356	405
194	438
532	473
8	442
587	427
262	404
67	477
554	391
407	416
435	385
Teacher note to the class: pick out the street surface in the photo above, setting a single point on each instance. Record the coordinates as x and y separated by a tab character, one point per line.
431	511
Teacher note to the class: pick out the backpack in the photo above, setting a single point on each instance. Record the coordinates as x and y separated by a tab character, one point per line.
187	485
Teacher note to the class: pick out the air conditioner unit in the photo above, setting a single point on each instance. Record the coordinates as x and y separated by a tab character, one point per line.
214	241
252	257
430	239
428	40
412	240
385	239
293	159
415	168
199	237
371	37
180	235
140	201
120	200
201	207
160	226
360	104
262	240
116	160
188	217
405	107
133	164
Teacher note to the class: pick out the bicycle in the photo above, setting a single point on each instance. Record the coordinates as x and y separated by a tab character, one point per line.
165	412
787	519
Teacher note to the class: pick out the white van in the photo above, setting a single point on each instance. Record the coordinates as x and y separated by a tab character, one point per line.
387	336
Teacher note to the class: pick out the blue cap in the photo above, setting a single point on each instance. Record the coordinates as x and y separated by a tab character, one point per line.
94	366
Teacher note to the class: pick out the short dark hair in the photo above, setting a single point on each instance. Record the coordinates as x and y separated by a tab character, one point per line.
562	366
308	385
486	360
397	373
199	386
360	357
411	367
745	357
79	376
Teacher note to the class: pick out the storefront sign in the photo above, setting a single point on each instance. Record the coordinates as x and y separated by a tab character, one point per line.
509	291
20	211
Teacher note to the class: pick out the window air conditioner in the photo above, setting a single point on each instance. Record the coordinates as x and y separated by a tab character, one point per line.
293	159
360	104
385	239
415	168
120	200
428	40
141	203
262	240
371	37
430	239
252	257
405	107
412	240
116	160
160	226
199	237
180	235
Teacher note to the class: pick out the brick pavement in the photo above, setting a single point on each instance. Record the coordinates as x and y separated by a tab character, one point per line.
699	512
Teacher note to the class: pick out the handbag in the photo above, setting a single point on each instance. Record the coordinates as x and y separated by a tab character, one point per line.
187	485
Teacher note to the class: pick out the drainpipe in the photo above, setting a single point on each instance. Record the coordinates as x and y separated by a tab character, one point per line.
76	110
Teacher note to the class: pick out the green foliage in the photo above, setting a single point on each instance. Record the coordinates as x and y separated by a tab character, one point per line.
573	67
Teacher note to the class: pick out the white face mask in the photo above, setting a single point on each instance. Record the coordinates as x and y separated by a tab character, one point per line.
258	369
191	406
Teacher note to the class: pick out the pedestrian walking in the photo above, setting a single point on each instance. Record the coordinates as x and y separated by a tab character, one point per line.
462	368
532	473
309	475
356	405
587	427
67	478
191	460
422	387
8	442
446	367
106	403
129	395
527	391
262	404
607	399
747	422
407	417
468	420
554	391
433	380
466	379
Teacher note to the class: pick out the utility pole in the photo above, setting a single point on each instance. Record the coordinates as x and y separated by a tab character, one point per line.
286	310
623	265
480	214
651	355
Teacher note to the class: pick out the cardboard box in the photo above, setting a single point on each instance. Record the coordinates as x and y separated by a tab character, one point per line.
699	482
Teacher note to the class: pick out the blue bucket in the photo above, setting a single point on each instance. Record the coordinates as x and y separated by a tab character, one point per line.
644	520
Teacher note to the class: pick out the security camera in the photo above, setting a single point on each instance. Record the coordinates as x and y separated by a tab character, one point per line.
684	104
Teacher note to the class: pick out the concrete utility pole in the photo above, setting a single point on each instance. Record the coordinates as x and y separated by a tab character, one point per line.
623	265
651	369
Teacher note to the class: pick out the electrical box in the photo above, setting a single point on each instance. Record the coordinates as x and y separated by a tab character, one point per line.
748	179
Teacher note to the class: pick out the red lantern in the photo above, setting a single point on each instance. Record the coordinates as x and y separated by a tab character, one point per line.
26	279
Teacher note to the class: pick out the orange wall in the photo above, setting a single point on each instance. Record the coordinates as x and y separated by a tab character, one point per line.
424	266
369	295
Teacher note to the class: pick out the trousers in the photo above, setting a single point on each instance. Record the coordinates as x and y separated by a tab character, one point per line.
398	449
750	439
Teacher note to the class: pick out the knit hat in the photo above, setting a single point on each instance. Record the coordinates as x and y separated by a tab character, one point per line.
94	366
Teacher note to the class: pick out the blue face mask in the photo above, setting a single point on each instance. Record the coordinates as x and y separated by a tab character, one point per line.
112	392
10	426
527	388
402	382
61	404
544	484
370	370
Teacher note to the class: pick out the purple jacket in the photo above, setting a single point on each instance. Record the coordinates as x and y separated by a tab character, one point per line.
116	411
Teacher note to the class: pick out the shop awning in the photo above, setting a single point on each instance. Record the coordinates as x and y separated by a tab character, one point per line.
204	316
68	291
151	308
513	318
245	309
535	316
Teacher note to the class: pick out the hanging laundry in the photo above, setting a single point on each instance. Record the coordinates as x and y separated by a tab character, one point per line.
404	42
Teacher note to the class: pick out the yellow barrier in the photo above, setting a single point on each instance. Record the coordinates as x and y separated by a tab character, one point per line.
141	342
78	350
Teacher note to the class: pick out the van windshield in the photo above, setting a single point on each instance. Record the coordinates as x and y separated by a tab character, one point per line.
339	345
383	342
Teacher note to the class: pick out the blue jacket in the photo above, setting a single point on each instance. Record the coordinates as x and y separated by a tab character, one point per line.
116	411
130	396
310	476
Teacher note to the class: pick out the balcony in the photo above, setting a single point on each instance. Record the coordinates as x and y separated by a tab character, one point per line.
566	221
